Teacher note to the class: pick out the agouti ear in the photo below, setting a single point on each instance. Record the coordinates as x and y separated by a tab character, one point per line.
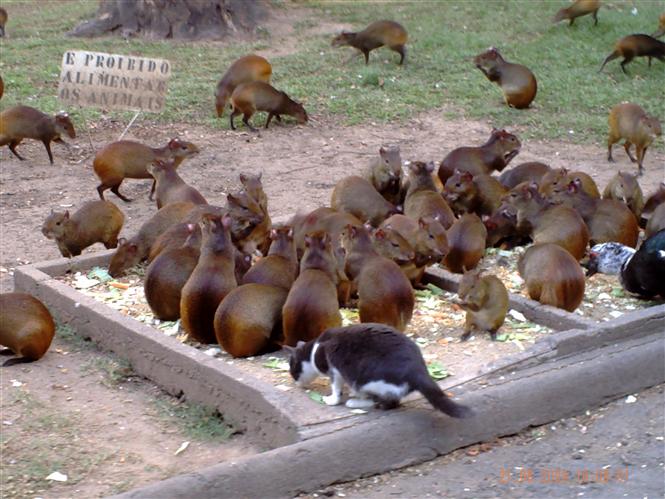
67	214
243	178
273	234
232	199
467	176
382	150
379	234
308	241
352	229
226	221
489	225
122	241
132	248
289	234
421	223
430	166
174	143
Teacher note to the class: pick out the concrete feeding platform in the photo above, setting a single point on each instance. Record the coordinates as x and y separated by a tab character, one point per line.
581	365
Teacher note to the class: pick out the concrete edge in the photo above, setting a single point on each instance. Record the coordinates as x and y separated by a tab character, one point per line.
249	403
530	397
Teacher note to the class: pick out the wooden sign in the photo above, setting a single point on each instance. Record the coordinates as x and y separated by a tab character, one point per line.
112	81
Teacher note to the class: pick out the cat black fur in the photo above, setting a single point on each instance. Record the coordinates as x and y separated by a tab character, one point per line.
371	352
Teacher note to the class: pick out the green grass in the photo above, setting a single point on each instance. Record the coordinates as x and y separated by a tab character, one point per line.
444	36
197	422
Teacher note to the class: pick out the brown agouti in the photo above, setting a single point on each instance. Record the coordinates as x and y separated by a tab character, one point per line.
608	220
385	174
495	154
26	327
24	122
531	171
552	276
248	68
422	198
632	46
625	187
280	267
502	228
174	237
661	27
385	294
168	273
259	96
485	300
322	219
479	194
390	244
312	305
132	251
355	195
466	240
170	187
250	225
211	280
629	121
94	222
558	178
254	187
129	159
248	321
3	21
546	222
517	82
656	221
579	8
379	33
2	87
655	199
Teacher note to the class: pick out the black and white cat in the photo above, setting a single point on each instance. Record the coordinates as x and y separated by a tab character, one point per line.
380	365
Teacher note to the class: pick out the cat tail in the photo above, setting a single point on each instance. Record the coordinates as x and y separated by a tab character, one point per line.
435	396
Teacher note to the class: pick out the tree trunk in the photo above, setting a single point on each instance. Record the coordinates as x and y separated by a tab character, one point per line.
177	19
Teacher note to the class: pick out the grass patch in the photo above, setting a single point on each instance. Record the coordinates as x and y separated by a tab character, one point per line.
114	371
573	98
196	421
73	340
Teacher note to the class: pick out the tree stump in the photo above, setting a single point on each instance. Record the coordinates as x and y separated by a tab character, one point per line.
177	19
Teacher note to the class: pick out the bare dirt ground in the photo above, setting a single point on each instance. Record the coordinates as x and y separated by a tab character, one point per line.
300	165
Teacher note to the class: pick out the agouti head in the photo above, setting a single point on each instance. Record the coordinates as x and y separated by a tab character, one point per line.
472	290
64	126
508	144
216	236
460	189
319	254
623	186
281	239
501	224
392	245
649	126
125	257
488	60
344	38
436	240
523	195
296	110
254	187
55	224
392	161
158	167
244	210
182	149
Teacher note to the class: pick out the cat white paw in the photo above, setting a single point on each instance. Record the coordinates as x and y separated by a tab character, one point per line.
331	399
359	403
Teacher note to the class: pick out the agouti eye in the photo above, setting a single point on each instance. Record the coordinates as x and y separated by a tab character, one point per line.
458	184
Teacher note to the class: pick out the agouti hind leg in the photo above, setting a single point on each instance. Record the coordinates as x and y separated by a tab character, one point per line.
401	50
152	189
12	148
626	146
115	190
627	58
245	120
594	14
47	145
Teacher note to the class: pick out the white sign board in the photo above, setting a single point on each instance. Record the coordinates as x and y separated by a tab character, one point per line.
112	81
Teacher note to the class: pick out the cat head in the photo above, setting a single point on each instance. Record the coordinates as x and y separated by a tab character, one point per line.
300	363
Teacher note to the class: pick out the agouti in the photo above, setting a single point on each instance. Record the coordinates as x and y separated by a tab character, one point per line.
661	27
168	273
502	228
558	178
517	82
312	305
552	276
656	221
2	87
608	220
26	327
625	187
3	21
280	267
132	251
429	241
531	171
422	198
244	70
495	154
174	237
390	244
170	187
24	122
545	222
248	321
248	98
632	46
485	300
250	225
355	195
211	280
655	199
385	294
379	33
94	222
254	187
629	121
385	173
479	194
466	240
579	8
129	159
